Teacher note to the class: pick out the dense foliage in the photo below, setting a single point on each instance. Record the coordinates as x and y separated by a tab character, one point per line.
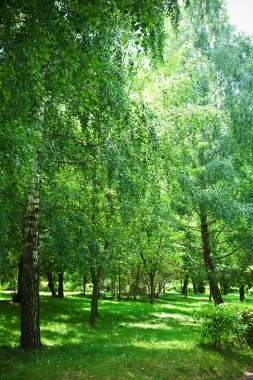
226	326
125	151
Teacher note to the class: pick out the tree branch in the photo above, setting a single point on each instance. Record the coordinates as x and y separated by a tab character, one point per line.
228	254
11	198
76	139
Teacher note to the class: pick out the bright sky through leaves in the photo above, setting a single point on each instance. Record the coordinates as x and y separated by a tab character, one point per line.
240	13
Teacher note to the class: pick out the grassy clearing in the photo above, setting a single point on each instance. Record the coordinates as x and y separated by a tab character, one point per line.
132	340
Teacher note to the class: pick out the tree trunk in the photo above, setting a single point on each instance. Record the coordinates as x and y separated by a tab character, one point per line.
30	325
210	270
242	293
185	285
136	277
94	301
113	286
159	290
18	297
84	284
224	288
152	288
119	292
60	285
194	285
200	287
51	283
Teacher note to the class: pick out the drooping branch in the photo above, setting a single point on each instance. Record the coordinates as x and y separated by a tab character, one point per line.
193	260
12	198
80	142
227	254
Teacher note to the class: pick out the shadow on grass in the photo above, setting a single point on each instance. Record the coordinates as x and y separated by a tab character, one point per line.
132	340
114	360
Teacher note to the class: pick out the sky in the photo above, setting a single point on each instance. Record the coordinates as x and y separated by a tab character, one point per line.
241	14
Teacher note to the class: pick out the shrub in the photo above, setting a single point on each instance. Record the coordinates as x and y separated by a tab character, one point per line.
223	326
247	319
74	286
174	289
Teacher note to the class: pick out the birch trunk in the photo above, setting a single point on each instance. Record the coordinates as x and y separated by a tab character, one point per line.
30	327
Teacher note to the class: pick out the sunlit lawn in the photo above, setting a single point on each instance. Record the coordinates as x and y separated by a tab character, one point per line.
132	340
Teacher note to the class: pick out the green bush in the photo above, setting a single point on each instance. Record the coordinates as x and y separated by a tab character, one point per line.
223	326
247	318
174	289
74	286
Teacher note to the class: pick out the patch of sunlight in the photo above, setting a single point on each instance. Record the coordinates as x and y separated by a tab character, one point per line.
162	345
59	342
60	334
154	326
9	319
54	326
7	291
171	316
204	298
177	307
198	304
47	293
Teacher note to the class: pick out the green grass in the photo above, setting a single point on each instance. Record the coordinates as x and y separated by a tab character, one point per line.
132	340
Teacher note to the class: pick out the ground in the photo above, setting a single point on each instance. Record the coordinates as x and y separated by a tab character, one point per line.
132	340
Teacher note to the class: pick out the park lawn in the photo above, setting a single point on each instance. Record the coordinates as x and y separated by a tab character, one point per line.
132	340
